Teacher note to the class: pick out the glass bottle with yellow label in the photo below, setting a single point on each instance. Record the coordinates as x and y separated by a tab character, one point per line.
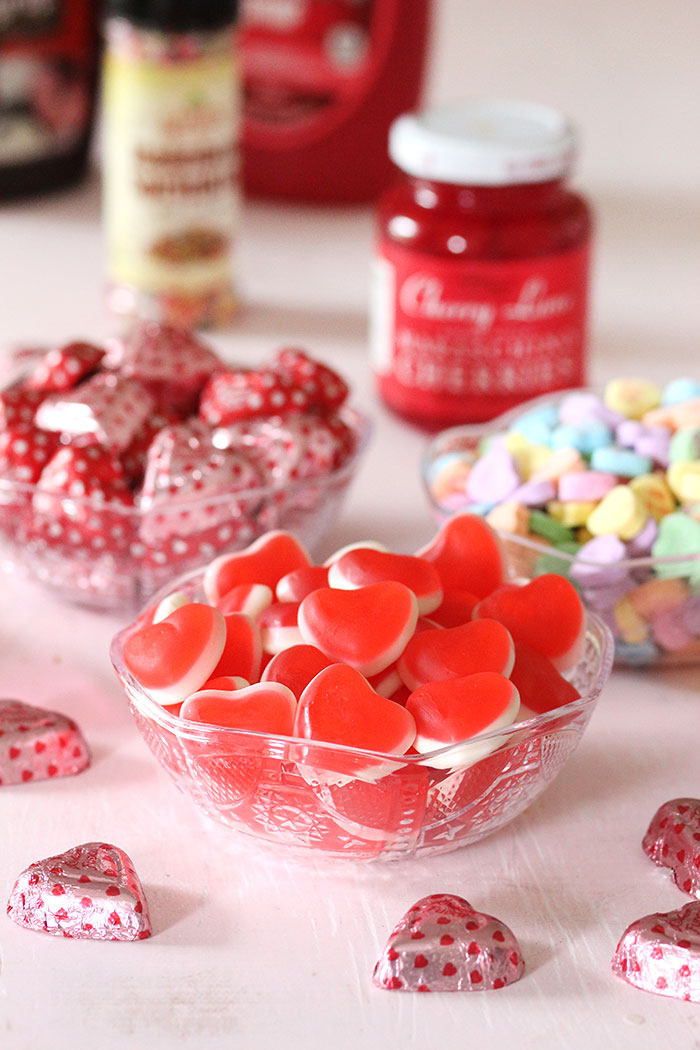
170	105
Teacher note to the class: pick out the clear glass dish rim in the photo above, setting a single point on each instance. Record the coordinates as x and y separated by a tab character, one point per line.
477	431
361	424
199	732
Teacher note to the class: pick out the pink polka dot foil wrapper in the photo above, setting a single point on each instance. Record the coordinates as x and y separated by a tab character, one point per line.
660	953
36	744
91	891
673	841
443	944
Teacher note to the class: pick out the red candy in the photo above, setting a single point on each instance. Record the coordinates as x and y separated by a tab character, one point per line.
295	667
540	685
299	582
436	654
248	598
91	891
64	367
367	628
174	657
672	840
444	945
242	651
545	613
265	561
467	554
279	626
107	407
363	566
265	707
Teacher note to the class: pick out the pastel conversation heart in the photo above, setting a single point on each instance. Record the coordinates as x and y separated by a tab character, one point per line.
458	711
91	891
363	566
172	658
36	744
660	953
366	628
443	944
265	561
264	707
340	707
546	614
467	555
436	654
672	840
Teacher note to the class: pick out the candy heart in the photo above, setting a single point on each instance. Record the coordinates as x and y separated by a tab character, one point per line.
455	608
340	707
467	554
107	406
91	891
360	544
295	667
172	658
279	626
248	598
168	605
364	566
62	367
297	584
170	362
673	841
36	744
265	707
546	614
438	653
366	628
442	944
325	388
540	685
266	560
446	713
242	650
660	953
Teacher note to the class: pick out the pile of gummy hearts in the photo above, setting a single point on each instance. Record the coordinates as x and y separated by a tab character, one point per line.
385	652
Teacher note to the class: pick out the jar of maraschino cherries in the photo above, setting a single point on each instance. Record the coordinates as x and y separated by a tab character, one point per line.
480	285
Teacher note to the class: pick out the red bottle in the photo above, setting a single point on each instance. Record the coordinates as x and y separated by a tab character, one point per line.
481	271
323	80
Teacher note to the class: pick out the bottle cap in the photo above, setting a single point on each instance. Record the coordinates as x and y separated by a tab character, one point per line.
491	143
176	16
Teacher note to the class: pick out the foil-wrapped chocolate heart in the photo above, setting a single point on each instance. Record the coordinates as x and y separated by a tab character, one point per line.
442	944
660	953
673	841
91	891
36	744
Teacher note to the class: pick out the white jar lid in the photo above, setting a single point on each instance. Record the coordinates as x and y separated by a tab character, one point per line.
493	143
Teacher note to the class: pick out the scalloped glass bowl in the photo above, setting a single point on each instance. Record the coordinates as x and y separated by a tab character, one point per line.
112	557
335	800
601	586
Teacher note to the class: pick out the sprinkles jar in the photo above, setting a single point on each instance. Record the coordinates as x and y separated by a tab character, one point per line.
481	265
171	117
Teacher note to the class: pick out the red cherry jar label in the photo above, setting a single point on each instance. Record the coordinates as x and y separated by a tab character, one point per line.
459	341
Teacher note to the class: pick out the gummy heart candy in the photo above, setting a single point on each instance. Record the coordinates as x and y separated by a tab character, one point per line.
545	613
38	744
442	944
363	566
297	584
90	891
248	598
457	710
295	667
339	706
265	707
467	554
366	628
266	560
172	658
436	654
242	651
455	608
660	953
540	685
279	626
673	841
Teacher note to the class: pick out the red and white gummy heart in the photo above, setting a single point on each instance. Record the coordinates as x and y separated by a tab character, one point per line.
442	944
36	744
673	841
660	953
91	891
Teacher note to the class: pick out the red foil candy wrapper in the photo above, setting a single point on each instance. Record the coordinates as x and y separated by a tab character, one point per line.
442	944
171	363
36	744
661	953
107	407
673	841
90	891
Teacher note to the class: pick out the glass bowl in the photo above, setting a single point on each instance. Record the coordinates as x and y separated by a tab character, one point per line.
113	557
650	604
315	796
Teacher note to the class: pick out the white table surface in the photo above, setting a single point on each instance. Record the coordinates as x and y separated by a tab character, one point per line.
251	948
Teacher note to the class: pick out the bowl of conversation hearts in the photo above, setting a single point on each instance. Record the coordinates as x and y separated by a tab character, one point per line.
123	464
375	706
601	486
